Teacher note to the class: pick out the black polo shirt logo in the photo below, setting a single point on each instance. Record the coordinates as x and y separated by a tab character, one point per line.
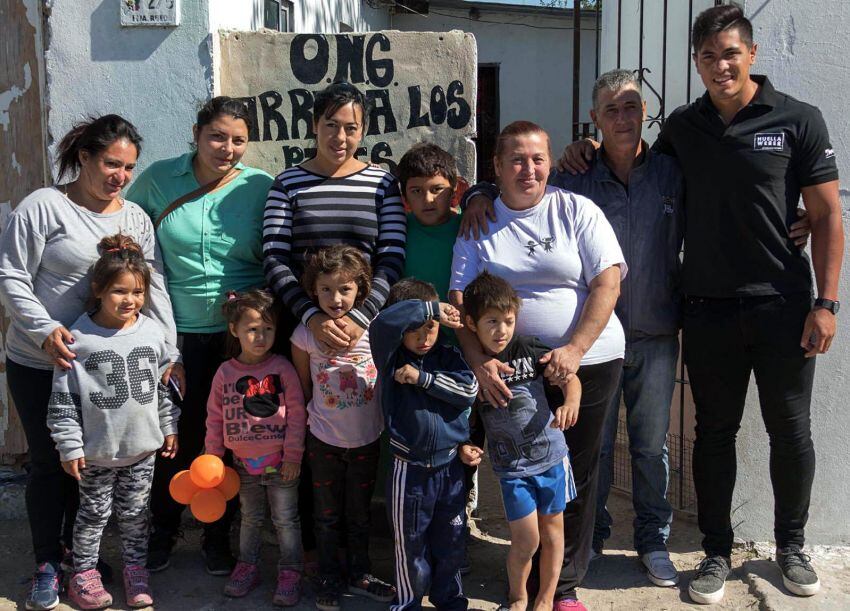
769	141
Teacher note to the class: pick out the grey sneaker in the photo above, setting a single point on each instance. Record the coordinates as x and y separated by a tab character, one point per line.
797	572
709	583
660	569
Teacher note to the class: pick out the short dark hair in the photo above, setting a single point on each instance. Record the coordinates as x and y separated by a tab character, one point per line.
718	19
94	136
339	258
234	306
335	96
412	288
223	105
425	160
119	254
487	291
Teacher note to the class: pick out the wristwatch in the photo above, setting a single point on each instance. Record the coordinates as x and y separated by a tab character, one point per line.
827	304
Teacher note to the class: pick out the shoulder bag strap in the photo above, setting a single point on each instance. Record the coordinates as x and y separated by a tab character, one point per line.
202	190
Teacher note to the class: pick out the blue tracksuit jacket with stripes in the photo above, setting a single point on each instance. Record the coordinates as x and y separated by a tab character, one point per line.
426	421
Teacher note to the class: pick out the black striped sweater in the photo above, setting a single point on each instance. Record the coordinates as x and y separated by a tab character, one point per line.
306	212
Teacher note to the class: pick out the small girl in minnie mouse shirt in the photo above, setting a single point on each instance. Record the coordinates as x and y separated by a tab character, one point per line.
256	409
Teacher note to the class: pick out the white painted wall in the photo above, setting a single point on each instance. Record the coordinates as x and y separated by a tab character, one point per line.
804	50
535	65
155	77
309	15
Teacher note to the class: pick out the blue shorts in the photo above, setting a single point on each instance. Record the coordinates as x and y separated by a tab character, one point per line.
546	493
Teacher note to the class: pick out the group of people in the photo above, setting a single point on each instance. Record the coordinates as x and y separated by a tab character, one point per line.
142	335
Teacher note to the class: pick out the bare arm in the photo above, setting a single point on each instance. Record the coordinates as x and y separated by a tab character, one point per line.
301	360
485	368
823	205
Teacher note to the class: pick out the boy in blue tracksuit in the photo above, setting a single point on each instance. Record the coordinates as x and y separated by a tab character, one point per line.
427	391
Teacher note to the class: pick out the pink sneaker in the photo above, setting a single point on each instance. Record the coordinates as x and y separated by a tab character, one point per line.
288	591
137	587
244	578
568	604
87	591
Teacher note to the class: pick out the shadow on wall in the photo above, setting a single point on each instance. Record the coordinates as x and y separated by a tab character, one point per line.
111	42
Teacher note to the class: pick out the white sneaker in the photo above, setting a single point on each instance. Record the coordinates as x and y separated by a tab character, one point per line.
660	569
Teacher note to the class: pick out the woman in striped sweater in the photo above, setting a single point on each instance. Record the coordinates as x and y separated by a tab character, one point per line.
333	198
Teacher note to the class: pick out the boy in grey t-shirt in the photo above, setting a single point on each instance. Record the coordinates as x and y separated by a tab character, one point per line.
525	440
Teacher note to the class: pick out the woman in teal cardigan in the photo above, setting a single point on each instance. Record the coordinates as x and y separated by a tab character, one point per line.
207	208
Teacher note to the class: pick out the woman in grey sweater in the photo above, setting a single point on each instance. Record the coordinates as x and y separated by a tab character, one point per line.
47	247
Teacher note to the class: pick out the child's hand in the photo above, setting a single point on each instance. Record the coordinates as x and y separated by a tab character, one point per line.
290	471
74	466
565	417
470	454
407	375
450	316
169	448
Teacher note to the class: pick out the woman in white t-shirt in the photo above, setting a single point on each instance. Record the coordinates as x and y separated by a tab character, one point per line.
560	253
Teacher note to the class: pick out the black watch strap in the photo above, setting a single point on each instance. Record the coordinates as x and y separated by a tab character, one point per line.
827	304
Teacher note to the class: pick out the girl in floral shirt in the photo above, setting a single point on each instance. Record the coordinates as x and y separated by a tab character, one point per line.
345	424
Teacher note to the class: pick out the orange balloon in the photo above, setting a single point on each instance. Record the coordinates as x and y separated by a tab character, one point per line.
208	505
229	486
182	488
207	471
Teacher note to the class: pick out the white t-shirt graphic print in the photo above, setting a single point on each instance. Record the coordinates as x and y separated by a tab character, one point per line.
550	254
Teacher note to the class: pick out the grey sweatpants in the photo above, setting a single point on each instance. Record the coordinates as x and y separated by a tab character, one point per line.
128	489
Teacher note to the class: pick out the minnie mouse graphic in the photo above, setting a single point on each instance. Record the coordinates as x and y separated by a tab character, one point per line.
260	398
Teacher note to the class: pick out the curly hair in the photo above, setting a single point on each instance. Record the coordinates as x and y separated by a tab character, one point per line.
342	259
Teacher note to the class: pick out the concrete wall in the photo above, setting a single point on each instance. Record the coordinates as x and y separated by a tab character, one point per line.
535	64
155	77
804	50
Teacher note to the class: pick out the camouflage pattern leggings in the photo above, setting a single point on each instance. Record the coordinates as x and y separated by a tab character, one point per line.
129	490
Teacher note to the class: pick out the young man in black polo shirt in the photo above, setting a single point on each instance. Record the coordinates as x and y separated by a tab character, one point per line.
747	153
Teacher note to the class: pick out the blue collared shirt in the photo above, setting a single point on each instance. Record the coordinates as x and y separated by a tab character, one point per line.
648	219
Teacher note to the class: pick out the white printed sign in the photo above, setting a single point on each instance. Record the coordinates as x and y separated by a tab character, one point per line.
150	12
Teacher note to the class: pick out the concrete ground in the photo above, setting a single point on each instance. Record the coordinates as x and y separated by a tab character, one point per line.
616	581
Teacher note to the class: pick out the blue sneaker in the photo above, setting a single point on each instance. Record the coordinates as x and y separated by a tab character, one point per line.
45	587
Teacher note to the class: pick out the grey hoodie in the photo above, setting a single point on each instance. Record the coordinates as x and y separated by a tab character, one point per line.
111	407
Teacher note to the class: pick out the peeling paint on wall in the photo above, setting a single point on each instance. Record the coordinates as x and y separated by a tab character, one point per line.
7	98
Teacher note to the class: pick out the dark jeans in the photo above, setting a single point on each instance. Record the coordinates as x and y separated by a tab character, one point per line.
343	482
646	386
202	355
725	340
52	498
584	440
